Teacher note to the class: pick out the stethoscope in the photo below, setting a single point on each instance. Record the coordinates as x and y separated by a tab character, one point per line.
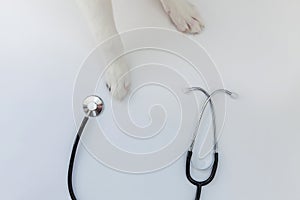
93	106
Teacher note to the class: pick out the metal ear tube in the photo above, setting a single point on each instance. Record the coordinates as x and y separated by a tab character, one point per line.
200	184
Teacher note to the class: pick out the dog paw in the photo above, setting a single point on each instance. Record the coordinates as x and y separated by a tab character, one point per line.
117	79
184	15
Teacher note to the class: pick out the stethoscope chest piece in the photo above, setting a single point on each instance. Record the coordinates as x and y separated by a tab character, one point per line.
93	106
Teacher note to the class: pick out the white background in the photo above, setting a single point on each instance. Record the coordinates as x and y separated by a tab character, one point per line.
255	45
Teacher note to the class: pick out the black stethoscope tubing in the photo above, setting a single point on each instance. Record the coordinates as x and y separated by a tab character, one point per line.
72	158
200	184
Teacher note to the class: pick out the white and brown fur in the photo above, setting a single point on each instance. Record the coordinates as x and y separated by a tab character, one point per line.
99	14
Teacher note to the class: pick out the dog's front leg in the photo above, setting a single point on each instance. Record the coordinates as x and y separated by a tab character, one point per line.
99	14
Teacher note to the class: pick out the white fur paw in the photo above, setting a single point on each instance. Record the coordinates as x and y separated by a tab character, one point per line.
118	80
184	15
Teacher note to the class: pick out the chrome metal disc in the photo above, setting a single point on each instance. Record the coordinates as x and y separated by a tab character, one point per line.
93	106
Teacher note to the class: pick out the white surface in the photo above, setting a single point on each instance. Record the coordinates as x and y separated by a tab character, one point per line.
256	46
